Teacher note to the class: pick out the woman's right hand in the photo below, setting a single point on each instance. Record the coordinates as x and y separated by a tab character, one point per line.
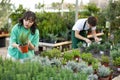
18	47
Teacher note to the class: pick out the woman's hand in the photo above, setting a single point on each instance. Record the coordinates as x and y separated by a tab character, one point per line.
18	47
30	45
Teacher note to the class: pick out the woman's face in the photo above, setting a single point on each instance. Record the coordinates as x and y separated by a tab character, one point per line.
27	23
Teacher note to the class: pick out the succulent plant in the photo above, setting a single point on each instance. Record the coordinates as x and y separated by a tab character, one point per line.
71	65
88	70
103	71
93	77
56	62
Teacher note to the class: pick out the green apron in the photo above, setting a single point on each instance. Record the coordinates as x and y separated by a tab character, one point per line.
75	40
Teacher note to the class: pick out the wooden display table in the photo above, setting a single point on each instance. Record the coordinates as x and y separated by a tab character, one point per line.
61	45
98	34
4	35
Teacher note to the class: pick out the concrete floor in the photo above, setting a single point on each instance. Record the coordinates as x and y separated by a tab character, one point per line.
3	51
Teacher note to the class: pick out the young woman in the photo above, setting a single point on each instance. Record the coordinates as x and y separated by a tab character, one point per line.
27	23
79	31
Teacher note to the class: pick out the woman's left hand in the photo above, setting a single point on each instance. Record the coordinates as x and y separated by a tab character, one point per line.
30	45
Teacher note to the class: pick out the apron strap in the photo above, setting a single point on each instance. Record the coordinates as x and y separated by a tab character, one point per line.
84	24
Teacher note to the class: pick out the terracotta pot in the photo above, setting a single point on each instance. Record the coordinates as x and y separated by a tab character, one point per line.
118	68
111	76
95	71
76	58
105	64
104	78
24	48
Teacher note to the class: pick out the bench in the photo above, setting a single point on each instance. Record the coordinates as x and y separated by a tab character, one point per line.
63	46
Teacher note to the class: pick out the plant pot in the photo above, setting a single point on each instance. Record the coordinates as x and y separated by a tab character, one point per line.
95	71
76	58
111	76
105	64
118	68
24	48
104	78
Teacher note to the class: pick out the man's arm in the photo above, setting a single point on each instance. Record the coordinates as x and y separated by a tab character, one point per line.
77	35
95	36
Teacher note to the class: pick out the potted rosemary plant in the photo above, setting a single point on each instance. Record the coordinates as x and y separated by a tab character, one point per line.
104	73
23	39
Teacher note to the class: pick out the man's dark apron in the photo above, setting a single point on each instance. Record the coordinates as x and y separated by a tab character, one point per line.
75	40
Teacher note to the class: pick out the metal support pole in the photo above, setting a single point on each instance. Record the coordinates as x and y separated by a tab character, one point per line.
76	11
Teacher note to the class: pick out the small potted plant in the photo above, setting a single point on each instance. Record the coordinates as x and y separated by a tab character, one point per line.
104	73
116	62
76	54
95	67
101	48
87	57
23	39
81	46
105	60
68	56
72	65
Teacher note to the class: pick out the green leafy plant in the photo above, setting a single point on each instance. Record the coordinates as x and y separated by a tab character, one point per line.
52	38
76	52
116	62
68	56
87	57
101	47
95	66
23	38
52	53
115	53
82	47
93	48
104	59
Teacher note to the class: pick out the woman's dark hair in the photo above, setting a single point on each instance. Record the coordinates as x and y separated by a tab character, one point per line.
29	15
92	21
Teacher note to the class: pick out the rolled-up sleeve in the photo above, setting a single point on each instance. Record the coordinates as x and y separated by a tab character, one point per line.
13	35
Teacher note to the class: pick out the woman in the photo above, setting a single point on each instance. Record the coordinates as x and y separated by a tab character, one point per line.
26	23
79	31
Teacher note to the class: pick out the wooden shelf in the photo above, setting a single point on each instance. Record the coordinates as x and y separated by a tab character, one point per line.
54	44
4	35
61	45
